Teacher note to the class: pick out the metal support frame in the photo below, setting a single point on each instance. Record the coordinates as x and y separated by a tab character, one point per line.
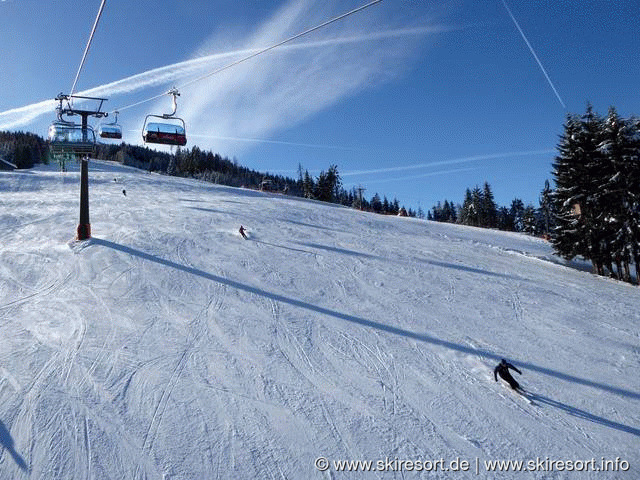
84	225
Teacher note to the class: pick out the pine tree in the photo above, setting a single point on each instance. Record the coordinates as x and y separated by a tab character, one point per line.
385	205
505	220
308	185
475	213
611	193
516	214
566	236
631	172
488	208
593	206
376	204
578	171
437	212
467	207
395	206
529	220
334	183
620	148
171	167
322	189
546	208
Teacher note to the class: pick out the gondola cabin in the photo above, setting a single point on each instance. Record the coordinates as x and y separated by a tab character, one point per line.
164	134
69	138
110	131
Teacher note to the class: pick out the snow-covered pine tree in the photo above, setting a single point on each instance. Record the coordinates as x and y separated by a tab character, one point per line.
529	220
565	236
578	173
632	174
621	145
464	217
516	214
613	193
591	184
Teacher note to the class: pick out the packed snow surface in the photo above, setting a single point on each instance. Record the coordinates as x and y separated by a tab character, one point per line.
168	347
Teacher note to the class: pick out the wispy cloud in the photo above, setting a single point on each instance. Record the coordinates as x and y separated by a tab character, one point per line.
279	90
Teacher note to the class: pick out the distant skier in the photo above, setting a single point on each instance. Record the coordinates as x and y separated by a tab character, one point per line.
124	192
503	370
242	232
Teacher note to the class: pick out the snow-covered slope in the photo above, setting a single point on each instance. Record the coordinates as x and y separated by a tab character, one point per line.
169	347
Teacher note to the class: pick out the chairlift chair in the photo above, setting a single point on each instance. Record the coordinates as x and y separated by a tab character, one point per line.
165	133
69	138
110	130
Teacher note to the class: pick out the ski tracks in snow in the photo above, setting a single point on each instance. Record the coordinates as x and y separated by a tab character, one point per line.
516	304
43	292
196	333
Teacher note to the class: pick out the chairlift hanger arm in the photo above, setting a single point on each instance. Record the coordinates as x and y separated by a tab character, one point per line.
70	111
174	91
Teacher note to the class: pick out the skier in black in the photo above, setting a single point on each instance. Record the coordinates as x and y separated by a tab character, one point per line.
242	230
503	370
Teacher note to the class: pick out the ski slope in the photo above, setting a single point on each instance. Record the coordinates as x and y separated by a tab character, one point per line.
168	347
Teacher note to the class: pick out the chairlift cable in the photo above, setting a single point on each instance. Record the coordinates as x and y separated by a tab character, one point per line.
260	52
86	50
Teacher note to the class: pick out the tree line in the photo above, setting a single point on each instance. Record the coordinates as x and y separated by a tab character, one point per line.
479	209
26	149
23	150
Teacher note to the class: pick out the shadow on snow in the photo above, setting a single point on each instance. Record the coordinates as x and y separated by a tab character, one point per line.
422	337
577	412
6	441
436	263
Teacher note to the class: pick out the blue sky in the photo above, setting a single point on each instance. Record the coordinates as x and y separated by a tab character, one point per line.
411	99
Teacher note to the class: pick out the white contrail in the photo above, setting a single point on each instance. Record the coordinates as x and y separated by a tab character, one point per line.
453	161
423	175
171	73
534	54
154	77
441	163
274	142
